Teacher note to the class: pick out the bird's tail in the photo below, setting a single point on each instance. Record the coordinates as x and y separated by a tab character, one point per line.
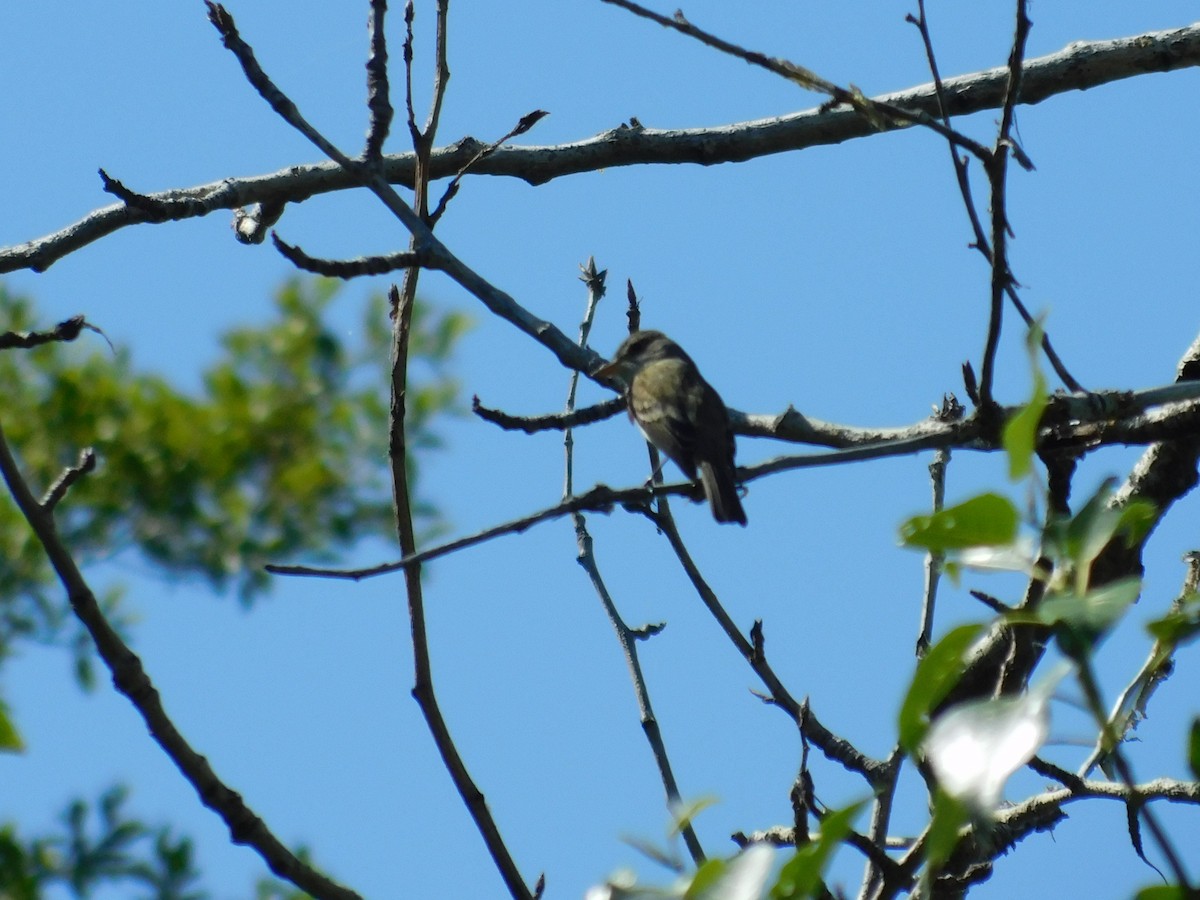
721	490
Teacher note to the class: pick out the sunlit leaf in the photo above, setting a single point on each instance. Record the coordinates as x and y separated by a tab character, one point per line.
985	520
801	875
949	816
1098	523
1178	626
1020	431
1194	748
936	674
682	814
710	873
1019	556
1092	614
741	878
976	746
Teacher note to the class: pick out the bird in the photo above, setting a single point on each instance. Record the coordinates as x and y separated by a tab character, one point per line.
681	414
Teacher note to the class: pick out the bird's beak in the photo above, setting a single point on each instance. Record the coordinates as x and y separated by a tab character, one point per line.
608	371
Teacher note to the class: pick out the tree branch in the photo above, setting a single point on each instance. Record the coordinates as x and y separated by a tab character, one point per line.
130	678
626	636
1079	66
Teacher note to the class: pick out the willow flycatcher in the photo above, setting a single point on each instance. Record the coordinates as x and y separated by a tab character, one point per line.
680	414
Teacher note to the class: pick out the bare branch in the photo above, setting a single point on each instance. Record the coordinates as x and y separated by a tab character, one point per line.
354	268
1130	706
996	166
1088	420
835	748
423	239
586	557
66	330
526	122
879	115
550	422
964	187
1080	66
58	490
859	444
933	559
378	99
423	690
881	867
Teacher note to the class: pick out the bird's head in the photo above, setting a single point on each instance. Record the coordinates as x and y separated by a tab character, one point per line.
636	352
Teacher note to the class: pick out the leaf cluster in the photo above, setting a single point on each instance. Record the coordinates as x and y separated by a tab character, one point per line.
99	846
280	455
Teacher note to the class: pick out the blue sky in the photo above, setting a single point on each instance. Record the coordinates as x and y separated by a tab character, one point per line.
838	280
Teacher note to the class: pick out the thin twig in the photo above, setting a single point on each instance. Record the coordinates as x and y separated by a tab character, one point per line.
835	748
875	112
354	268
525	123
552	421
403	302
66	330
595	280
586	557
1134	800
1130	706
599	499
964	186
995	166
58	490
414	132
933	559
378	100
441	73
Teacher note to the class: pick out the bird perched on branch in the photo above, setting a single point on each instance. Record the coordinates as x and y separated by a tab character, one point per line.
680	414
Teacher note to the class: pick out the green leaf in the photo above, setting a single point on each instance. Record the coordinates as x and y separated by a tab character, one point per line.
10	738
1178	626
983	521
1090	530
683	813
949	816
707	876
802	874
1093	612
936	675
1092	527
975	747
1020	431
1194	748
277	454
1161	892
1137	518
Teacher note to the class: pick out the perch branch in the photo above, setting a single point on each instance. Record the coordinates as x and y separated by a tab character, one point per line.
1079	66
